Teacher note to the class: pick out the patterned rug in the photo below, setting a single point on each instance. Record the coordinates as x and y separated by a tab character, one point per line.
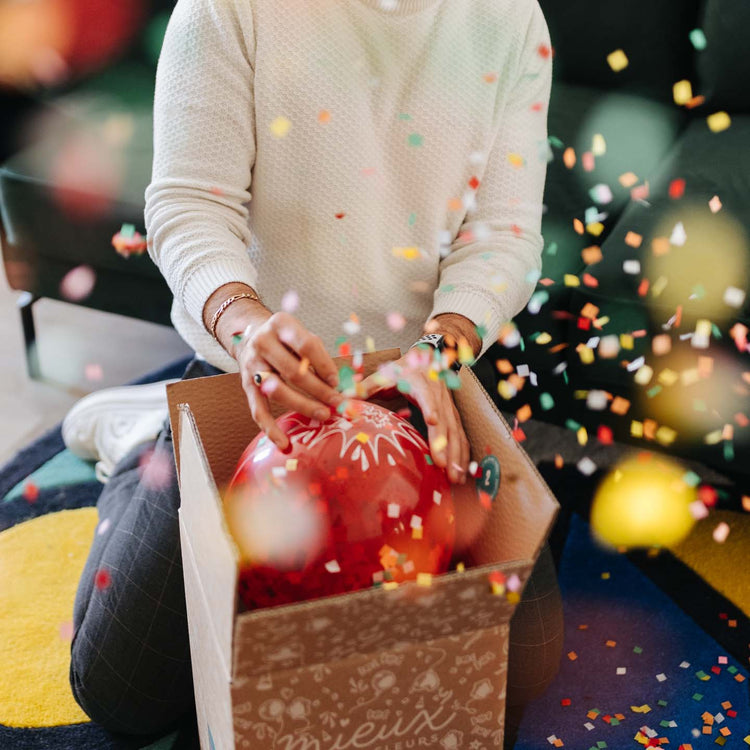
654	653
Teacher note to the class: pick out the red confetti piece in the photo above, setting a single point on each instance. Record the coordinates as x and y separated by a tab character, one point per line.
544	51
590	280
584	323
604	435
30	492
340	216
707	495
102	579
677	189
473	183
565	702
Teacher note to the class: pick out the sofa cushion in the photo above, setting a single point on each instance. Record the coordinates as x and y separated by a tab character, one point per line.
724	65
653	35
698	253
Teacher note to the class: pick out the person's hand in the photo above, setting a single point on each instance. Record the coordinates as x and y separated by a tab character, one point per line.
448	442
302	376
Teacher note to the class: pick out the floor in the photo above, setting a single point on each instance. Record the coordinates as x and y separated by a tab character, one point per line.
76	356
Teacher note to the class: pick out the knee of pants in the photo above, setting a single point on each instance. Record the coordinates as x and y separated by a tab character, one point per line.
110	702
536	635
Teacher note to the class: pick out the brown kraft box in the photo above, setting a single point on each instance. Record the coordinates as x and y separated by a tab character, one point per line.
416	666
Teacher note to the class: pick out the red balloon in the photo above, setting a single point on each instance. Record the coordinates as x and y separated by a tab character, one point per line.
355	502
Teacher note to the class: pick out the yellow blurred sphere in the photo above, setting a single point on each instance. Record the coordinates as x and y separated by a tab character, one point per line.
643	503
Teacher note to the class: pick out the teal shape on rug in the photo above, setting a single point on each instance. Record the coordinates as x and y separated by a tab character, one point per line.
64	468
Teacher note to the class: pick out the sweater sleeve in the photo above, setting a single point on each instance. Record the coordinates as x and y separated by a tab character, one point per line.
204	150
491	269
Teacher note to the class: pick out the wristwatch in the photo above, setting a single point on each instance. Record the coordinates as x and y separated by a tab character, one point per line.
437	341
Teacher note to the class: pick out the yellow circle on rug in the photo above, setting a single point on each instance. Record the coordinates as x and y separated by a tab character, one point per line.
41	561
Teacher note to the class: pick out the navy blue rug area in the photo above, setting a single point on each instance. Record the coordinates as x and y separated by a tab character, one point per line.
632	659
616	618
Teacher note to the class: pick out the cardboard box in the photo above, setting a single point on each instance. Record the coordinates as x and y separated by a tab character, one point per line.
388	669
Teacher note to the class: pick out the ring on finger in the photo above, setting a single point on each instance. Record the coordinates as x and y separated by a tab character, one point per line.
261	376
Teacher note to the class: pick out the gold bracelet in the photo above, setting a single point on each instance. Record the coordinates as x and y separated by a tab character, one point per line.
225	304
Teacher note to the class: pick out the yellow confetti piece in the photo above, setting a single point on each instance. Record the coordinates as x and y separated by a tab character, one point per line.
280	127
571	280
659	285
416	532
439	443
628	179
636	429
408	253
497	588
506	390
668	376
370	344
390	585
516	160
543	338
424	579
617	60
460	567
626	341
598	145
291	464
665	435
465	353
363	437
586	353
596	228
718	121
513	597
582	436
682	92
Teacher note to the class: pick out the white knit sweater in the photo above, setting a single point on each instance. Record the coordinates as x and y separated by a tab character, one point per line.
379	161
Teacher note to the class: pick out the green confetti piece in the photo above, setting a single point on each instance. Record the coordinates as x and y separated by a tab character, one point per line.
698	39
552	249
522	344
716	331
428	459
415	139
481	331
637	650
571	424
728	450
403	386
664	723
446	288
697	696
412	219
404	116
651	392
340	340
601	744
614	722
732	670
698	292
691	479
701	675
236	338
127	230
565	376
451	379
661	703
555	141
546	401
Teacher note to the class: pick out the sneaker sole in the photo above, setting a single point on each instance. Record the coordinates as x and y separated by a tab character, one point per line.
79	424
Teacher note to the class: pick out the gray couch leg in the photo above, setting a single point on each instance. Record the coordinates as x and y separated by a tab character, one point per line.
25	301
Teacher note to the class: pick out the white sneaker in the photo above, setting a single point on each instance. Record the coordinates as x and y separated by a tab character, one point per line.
105	425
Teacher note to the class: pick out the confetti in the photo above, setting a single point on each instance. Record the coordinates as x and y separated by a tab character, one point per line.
682	92
721	532
715	204
698	39
718	122
617	60
102	579
30	491
279	127
290	301
332	566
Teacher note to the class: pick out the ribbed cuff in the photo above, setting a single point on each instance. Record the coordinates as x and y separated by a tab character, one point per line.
208	277
473	306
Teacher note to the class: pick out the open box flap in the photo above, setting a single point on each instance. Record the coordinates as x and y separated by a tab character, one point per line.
202	517
525	508
333	628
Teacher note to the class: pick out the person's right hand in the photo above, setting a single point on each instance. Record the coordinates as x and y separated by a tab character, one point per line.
303	374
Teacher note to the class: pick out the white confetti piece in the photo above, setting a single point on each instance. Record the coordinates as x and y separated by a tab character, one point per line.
394	509
416	522
436	497
631	266
733	296
721	532
679	236
586	466
332	566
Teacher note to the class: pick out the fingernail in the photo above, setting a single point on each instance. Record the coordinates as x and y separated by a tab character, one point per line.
321	414
333	380
288	448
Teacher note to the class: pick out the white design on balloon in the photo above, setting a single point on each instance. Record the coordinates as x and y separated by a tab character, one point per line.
391	430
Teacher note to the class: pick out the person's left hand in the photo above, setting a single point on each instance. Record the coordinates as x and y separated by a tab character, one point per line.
448	442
